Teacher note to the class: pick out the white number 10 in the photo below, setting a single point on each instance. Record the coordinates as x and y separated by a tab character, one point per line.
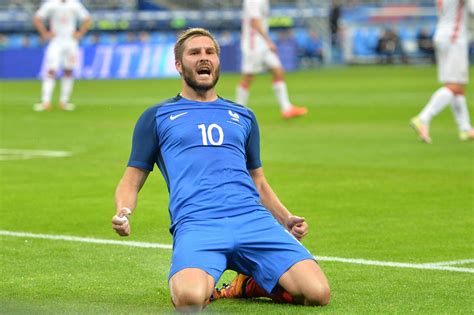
207	135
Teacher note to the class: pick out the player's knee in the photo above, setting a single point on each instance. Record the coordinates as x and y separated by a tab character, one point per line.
189	299
52	73
318	295
68	73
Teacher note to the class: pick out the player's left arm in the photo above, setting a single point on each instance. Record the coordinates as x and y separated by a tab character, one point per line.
256	24
296	225
83	28
43	13
86	21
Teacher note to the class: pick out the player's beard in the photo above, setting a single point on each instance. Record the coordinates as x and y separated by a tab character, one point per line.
188	76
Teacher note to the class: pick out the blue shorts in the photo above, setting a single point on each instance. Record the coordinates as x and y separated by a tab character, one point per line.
253	244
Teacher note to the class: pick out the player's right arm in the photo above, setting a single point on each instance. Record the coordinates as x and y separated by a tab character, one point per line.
42	13
126	196
42	30
142	158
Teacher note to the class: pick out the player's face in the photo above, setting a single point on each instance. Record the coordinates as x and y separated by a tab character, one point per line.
200	64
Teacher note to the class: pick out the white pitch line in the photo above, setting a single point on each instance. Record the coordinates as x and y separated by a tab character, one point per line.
166	246
17	154
453	262
85	240
393	264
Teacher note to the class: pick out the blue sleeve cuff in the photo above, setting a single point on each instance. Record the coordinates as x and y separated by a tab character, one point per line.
140	165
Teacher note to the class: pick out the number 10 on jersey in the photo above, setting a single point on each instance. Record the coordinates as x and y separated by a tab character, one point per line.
207	137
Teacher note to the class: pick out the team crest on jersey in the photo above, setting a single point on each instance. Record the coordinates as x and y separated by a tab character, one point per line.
234	116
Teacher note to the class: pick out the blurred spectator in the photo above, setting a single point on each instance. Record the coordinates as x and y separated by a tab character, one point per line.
25	41
389	47
3	41
425	45
312	51
334	16
225	38
144	37
286	37
130	37
94	39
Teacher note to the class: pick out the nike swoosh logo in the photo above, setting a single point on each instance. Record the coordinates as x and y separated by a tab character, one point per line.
173	117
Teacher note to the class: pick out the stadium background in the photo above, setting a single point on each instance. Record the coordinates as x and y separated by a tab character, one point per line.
134	39
390	218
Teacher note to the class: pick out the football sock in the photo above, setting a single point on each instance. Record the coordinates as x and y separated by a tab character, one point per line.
242	95
279	295
47	89
439	100
281	92
461	113
66	89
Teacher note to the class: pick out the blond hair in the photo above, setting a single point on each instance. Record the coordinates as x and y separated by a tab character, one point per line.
190	33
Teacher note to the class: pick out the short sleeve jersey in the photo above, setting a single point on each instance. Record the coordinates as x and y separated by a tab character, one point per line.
251	39
63	16
452	21
204	151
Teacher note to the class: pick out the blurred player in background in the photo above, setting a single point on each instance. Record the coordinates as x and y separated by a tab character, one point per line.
63	17
452	45
223	211
259	53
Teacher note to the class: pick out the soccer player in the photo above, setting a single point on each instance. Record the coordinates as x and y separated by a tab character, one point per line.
62	52
222	209
451	43
259	54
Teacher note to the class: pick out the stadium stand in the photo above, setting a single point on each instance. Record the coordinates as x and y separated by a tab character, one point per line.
157	21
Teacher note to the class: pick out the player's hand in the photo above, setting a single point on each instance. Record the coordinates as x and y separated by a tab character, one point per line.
120	222
272	46
47	36
297	226
78	35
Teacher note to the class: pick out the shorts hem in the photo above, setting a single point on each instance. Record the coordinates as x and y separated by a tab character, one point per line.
284	269
205	269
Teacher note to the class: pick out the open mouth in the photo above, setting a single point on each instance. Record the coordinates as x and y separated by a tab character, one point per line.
205	70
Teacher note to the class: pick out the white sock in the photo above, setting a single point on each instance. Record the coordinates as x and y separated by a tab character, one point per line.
242	95
281	93
66	88
460	112
439	100
47	89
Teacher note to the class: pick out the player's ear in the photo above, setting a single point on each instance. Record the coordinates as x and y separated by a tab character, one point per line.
178	66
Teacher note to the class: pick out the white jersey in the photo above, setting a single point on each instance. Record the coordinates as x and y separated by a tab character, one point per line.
251	40
452	21
63	16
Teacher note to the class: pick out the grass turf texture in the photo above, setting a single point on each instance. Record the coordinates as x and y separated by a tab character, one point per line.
368	188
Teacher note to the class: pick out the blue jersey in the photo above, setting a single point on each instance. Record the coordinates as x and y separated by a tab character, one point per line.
204	151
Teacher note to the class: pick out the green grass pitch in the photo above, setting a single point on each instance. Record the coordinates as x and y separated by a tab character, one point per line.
353	167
